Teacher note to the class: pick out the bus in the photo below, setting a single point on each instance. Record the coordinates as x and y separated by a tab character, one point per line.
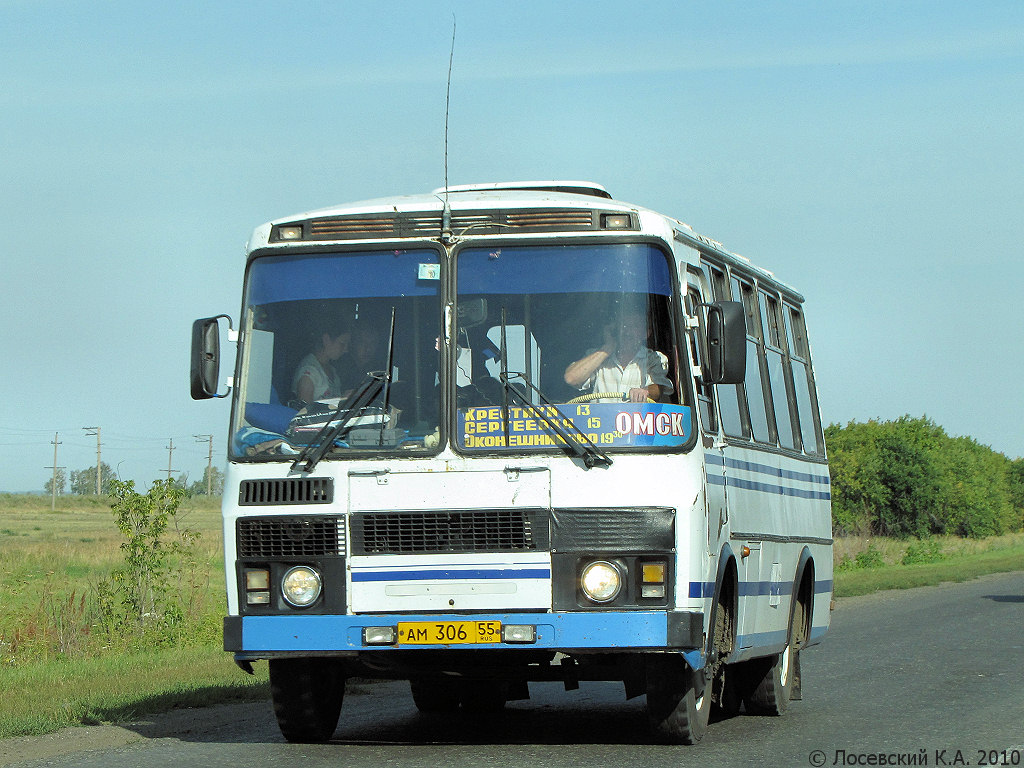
513	433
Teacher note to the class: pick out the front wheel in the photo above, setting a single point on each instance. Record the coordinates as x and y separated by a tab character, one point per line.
678	700
307	696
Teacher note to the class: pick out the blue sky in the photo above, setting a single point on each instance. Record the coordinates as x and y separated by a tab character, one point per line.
870	153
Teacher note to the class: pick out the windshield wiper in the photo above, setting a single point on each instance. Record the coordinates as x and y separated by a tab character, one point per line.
339	420
578	445
389	371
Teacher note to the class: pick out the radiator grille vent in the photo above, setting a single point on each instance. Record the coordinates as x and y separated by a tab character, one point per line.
274	537
397	533
296	490
428	224
645	529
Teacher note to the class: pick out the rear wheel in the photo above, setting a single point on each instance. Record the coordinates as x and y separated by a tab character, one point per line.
773	689
678	700
307	696
776	679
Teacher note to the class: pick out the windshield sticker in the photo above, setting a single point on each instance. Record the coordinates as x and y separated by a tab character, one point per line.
607	425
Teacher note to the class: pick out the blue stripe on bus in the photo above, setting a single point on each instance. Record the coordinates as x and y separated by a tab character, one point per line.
765	469
452	575
777	490
699	589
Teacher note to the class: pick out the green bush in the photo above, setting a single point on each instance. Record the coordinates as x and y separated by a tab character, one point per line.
923	551
153	594
908	478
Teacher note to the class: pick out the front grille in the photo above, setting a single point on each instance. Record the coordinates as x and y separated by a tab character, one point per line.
627	529
428	223
295	490
497	530
274	537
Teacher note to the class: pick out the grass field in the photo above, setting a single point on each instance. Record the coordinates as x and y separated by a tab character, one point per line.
865	565
57	669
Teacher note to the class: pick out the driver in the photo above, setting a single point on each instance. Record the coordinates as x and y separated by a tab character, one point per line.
623	364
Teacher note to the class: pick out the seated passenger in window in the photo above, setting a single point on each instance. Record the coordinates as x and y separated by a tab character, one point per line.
623	367
367	352
315	377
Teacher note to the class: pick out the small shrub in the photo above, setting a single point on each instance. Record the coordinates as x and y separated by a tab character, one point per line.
870	558
925	551
149	596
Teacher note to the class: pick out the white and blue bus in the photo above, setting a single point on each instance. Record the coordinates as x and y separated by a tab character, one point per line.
508	433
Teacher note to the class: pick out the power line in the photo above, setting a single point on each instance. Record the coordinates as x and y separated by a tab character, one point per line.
170	453
98	464
53	482
209	462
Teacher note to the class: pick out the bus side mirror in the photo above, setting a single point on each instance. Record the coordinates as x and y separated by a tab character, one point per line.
206	357
727	342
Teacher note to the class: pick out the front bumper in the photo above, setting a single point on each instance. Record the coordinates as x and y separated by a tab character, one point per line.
254	637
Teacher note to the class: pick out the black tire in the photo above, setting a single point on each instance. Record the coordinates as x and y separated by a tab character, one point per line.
307	696
728	696
678	701
434	696
726	679
773	681
776	679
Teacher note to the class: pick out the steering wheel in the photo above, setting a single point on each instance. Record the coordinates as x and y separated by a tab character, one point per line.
621	396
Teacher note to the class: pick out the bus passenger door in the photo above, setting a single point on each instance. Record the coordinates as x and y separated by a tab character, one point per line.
715	492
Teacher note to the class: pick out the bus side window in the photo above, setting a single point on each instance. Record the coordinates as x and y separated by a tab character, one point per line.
774	350
757	402
705	390
803	381
730	396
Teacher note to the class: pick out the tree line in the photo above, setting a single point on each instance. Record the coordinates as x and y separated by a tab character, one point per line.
909	478
82	482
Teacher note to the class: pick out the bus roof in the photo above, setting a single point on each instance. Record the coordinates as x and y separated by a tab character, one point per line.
514	194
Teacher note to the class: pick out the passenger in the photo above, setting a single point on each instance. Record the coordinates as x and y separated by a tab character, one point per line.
315	378
623	364
366	352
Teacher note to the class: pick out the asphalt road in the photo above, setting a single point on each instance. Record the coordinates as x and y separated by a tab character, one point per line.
939	669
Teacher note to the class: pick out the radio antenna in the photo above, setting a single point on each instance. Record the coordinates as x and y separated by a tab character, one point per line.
446	214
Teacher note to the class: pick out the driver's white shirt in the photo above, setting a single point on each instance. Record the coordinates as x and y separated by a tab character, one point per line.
646	367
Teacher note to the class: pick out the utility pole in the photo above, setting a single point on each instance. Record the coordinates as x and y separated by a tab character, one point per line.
209	462
53	482
170	453
89	431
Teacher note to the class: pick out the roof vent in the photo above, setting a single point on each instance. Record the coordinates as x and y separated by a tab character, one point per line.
588	188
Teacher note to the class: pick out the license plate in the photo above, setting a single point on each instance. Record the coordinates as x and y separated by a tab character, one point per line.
448	632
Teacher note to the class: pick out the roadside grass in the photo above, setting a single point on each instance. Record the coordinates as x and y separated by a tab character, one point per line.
57	669
865	565
49	695
51	562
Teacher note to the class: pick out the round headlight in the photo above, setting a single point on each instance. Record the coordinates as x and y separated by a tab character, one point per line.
601	581
301	586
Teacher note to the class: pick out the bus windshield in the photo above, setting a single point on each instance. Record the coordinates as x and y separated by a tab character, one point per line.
315	327
582	332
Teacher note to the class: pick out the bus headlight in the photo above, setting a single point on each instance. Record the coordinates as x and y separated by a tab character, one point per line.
601	581
301	586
